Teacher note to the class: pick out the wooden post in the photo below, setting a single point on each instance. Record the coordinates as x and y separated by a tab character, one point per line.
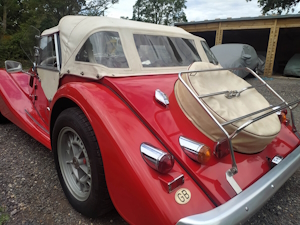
271	52
219	35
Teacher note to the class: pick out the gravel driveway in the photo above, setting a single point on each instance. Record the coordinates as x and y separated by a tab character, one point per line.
30	192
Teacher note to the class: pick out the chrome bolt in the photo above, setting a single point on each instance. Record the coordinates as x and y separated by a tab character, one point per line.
272	186
246	208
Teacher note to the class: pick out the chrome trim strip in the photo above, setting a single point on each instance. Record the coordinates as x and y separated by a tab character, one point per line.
56	52
43	128
177	178
173	181
244	205
161	97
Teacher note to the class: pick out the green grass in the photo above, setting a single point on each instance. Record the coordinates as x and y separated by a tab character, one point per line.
3	217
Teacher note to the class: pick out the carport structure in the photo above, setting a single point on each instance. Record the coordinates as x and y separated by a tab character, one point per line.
277	35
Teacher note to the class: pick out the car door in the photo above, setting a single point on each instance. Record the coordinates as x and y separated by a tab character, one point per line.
48	71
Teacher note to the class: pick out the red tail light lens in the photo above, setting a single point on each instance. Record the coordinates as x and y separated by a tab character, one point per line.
284	111
161	161
221	148
166	163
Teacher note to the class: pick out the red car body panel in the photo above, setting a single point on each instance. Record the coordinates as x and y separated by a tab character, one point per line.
16	104
124	114
170	123
132	184
129	179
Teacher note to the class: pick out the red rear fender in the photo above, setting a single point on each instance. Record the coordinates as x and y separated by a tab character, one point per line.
135	188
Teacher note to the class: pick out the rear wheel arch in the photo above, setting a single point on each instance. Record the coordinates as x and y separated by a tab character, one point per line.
64	112
59	106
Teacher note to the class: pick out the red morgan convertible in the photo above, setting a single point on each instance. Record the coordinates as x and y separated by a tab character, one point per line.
142	117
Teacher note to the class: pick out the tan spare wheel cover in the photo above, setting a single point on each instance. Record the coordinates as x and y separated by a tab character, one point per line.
253	138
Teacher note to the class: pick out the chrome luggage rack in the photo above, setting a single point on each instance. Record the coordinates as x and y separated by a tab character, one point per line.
236	93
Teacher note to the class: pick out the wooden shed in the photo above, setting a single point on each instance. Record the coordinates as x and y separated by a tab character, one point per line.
277	36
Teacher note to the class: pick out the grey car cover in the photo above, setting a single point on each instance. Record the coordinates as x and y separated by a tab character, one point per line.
236	55
293	66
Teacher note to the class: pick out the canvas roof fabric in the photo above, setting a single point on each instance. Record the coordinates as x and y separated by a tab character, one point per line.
75	30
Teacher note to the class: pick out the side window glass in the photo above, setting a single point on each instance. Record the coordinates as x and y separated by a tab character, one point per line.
164	51
210	55
47	52
103	48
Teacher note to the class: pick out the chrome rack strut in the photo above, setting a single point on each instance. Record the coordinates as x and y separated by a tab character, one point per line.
278	96
230	94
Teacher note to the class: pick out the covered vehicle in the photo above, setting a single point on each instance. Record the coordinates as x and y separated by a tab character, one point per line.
292	68
238	55
143	118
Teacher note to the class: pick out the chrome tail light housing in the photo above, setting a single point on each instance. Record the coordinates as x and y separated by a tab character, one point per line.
158	160
198	152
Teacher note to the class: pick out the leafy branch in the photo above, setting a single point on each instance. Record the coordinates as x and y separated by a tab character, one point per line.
277	6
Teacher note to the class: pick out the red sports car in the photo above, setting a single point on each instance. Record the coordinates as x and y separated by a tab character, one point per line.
143	117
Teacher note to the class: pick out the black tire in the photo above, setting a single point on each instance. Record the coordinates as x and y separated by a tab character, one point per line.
3	119
98	201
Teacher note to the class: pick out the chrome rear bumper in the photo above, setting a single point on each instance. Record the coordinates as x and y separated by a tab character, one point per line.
245	204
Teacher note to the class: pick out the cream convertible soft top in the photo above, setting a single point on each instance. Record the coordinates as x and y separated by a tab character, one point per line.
75	30
253	138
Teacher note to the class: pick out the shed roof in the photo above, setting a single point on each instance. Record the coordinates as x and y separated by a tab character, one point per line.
289	16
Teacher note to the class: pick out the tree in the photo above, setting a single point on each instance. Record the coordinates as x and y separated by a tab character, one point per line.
9	10
54	10
97	7
277	6
16	16
165	12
